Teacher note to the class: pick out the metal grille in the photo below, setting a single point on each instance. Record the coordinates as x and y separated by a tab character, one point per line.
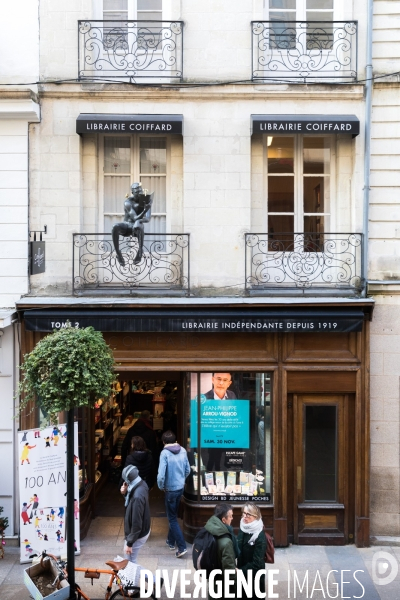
164	265
304	50
304	260
130	49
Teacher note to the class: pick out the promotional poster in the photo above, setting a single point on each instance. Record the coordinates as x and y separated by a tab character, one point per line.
42	490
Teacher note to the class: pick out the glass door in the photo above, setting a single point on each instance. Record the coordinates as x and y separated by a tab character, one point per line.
323	458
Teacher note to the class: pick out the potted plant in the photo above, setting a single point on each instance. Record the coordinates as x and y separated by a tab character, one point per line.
3	527
67	369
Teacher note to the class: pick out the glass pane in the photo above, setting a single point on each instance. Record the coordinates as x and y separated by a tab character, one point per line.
319	4
117	154
280	233
314	228
281	194
232	459
283	32
316	155
316	194
158	186
149	16
280	154
115	190
320	32
153	155
115	5
157	224
149	5
284	4
322	17
320	453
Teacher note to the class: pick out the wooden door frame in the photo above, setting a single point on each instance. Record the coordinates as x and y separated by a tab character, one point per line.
342	499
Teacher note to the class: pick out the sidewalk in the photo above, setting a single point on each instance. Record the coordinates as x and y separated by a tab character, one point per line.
105	541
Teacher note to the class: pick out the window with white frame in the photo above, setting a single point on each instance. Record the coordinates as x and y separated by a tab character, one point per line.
288	18
300	10
299	179
134	158
122	10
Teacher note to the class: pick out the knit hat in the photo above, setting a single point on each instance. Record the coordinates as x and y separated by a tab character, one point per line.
130	473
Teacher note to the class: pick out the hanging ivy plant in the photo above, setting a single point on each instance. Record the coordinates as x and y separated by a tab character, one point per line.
67	369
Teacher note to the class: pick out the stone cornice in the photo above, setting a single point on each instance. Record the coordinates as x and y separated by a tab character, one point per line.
11	93
19	104
202	93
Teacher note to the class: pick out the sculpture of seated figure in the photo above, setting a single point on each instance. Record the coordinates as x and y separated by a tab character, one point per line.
137	207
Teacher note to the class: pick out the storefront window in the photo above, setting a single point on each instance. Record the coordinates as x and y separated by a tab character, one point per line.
228	436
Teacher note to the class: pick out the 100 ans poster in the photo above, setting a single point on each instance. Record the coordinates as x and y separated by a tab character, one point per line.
42	491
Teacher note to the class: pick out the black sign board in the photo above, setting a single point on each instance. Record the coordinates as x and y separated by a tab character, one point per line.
38	257
305	124
109	123
199	321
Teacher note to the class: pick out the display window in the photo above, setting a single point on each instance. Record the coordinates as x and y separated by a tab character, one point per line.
228	435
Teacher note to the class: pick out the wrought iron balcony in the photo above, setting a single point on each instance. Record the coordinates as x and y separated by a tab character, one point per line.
304	51
130	50
300	263
164	265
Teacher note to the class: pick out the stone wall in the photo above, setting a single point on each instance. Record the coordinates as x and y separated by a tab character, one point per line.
385	424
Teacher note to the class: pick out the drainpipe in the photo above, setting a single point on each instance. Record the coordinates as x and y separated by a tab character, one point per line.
367	146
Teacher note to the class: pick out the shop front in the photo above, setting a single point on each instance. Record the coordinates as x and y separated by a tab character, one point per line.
271	402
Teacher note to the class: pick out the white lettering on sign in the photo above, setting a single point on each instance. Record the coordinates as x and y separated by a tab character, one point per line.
64	325
132	126
333	127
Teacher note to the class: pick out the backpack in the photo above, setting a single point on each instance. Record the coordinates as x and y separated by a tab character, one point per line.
269	556
205	551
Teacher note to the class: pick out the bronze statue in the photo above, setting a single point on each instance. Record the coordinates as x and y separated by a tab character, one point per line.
137	212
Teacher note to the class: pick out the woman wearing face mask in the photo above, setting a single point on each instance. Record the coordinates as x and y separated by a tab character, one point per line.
252	543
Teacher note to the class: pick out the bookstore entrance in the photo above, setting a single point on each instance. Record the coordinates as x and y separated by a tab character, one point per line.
271	405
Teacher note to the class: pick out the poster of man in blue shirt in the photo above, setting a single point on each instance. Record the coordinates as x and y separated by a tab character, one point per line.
224	424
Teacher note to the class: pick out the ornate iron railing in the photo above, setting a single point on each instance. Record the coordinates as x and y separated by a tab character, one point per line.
130	50
304	260
164	265
304	50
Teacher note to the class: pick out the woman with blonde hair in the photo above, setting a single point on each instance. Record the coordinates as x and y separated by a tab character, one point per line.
252	543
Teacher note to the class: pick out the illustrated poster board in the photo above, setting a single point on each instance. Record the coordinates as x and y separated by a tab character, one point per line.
42	457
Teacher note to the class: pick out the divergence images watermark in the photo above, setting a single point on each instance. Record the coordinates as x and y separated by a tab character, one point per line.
236	584
384	568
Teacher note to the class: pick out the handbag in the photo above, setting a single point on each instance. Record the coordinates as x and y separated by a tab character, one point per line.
269	556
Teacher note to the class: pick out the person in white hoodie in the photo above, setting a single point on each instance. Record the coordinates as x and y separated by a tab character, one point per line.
172	472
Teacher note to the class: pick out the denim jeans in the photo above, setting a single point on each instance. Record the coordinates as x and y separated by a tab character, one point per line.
175	535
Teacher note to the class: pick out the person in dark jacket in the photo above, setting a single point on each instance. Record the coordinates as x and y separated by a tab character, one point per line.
144	429
219	525
137	512
141	458
252	543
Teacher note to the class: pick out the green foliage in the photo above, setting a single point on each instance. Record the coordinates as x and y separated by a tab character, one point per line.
66	369
3	521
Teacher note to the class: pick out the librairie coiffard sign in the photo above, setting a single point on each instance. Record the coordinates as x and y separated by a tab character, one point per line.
306	124
113	123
